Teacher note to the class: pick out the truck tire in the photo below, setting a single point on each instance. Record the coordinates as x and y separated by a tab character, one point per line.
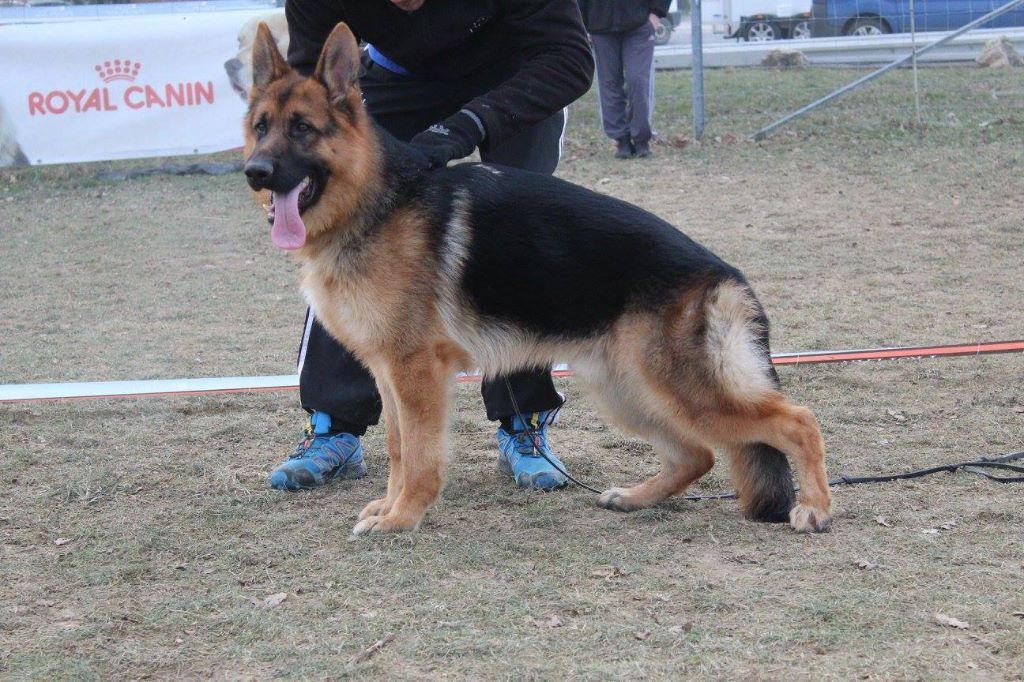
868	26
663	33
801	30
762	30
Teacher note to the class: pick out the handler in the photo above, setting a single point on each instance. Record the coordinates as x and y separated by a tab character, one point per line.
449	76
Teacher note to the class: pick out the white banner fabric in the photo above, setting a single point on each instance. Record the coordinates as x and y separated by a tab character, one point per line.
120	88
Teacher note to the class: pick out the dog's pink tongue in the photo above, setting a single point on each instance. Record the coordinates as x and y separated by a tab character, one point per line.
288	232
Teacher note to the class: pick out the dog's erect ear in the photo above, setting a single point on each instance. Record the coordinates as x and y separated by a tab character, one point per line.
267	63
338	68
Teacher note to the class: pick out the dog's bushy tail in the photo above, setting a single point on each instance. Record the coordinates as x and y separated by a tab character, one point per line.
734	334
764	482
740	360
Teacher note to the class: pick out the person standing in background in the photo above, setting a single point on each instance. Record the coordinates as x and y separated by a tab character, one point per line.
622	35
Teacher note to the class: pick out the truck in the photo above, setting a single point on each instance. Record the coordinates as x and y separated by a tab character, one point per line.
760	20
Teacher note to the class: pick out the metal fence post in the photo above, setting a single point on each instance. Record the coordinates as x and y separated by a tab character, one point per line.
913	65
697	68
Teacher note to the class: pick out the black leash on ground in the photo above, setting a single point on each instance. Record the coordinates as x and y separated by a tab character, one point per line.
975	467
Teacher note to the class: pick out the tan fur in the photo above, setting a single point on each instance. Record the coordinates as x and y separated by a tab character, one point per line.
688	377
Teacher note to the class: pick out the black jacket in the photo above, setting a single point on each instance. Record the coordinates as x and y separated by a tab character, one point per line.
532	57
616	16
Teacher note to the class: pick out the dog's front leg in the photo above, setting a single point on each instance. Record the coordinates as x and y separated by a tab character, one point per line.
393	436
418	384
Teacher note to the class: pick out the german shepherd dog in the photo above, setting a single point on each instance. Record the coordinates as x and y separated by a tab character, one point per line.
409	269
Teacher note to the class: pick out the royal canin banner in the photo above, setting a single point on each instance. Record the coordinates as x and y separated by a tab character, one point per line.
120	88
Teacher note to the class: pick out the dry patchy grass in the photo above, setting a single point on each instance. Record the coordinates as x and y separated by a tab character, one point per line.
135	535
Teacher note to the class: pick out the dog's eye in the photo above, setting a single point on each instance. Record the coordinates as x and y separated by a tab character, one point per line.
260	129
301	128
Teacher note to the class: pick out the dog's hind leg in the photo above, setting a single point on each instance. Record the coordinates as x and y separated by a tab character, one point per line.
795	431
751	418
761	474
419	383
393	436
682	463
634	406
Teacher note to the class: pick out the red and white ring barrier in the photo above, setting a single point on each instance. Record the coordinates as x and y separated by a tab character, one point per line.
96	390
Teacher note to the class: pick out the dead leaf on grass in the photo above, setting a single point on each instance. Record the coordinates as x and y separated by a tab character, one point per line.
1018	614
865	564
948	525
547	621
45	603
642	634
943	619
270	601
930	531
897	415
373	648
454	624
68	620
60	542
608	572
680	141
882	521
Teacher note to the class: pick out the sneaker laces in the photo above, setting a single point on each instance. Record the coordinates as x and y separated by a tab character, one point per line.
526	446
302	448
533	438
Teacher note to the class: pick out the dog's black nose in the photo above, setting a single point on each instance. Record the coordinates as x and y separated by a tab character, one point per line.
258	171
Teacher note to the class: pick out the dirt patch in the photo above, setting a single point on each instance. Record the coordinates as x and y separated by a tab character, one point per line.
138	539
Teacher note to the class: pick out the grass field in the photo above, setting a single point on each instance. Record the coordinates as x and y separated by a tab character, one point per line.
138	538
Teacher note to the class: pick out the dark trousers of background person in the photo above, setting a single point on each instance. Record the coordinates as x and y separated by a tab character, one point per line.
624	81
331	380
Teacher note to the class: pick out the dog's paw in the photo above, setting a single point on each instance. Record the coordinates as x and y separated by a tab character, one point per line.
367	525
806	519
617	499
376	508
383	524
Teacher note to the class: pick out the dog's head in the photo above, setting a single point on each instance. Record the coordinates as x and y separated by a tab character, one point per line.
308	141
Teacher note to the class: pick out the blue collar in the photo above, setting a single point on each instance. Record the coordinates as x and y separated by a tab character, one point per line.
378	57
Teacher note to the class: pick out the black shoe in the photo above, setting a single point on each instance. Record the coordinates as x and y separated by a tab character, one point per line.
624	148
643	149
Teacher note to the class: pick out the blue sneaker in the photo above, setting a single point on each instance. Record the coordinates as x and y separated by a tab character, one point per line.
521	460
320	457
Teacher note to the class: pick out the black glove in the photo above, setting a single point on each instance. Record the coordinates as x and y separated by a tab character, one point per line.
453	138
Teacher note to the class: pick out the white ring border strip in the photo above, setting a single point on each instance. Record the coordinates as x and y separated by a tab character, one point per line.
11	393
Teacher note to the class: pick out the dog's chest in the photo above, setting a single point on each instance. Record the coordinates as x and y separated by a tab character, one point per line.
348	308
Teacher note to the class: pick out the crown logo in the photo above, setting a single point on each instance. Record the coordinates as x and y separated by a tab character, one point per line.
118	70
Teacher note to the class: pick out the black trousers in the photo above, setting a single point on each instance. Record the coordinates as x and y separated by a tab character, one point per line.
331	379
